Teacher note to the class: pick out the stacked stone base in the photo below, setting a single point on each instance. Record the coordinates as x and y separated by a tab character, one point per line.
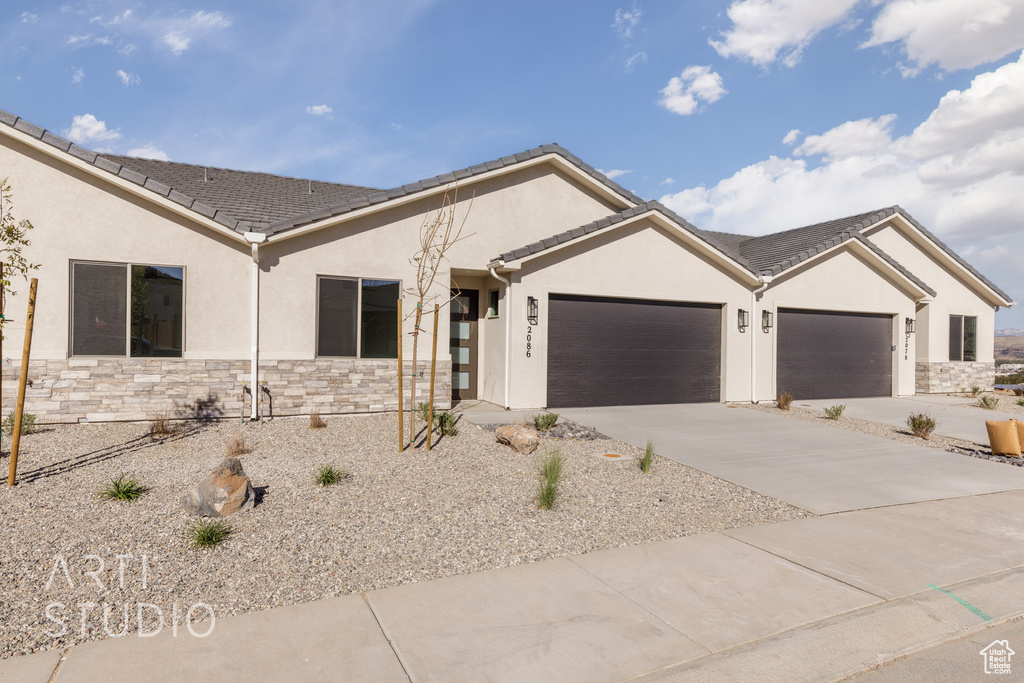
954	377
122	389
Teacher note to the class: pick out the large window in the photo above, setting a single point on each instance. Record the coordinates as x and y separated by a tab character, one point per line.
963	337
126	309
357	317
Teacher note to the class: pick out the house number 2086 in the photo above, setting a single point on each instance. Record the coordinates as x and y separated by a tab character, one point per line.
529	341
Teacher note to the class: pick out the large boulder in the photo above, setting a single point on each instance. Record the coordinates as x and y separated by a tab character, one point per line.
224	492
522	439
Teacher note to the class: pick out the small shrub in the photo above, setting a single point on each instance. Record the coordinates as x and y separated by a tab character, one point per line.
206	533
423	411
543	423
550	474
988	402
785	400
28	423
445	423
1020	402
834	412
921	425
1018	392
161	426
975	391
645	461
315	421
328	475
122	488
237	446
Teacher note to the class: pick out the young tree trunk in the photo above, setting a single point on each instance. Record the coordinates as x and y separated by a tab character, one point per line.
412	387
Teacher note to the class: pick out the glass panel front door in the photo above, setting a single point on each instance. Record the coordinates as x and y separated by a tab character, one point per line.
464	310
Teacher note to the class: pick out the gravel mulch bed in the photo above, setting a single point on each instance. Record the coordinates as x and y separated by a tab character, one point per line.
466	506
944	443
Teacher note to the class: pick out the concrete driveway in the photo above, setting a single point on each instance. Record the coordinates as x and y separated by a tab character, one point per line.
955	415
818	468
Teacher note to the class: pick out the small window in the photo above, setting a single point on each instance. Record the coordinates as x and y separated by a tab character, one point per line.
492	304
963	337
357	317
102	323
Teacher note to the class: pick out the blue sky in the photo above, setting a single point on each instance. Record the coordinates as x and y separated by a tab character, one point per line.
746	116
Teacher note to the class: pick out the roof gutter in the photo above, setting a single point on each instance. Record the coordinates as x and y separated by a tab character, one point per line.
765	281
508	329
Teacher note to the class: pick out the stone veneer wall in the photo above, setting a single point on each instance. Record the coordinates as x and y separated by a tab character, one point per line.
954	377
143	388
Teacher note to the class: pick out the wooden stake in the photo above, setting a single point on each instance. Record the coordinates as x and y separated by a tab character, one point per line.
401	389
3	322
20	410
433	366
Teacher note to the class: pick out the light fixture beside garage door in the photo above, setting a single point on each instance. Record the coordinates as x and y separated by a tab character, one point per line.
767	320
743	319
911	326
532	310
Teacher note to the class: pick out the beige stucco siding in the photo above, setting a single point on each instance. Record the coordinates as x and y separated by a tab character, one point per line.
78	217
639	261
953	297
840	281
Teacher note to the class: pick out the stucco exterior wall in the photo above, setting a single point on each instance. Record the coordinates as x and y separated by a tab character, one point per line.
639	261
841	281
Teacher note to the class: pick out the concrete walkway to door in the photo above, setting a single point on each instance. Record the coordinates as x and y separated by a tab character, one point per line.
814	467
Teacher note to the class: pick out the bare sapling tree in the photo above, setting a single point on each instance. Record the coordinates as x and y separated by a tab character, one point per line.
439	232
13	238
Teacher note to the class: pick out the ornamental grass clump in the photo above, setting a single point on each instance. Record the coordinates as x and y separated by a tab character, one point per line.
161	426
123	488
645	461
988	402
207	533
328	475
785	400
237	446
834	412
315	421
550	476
921	425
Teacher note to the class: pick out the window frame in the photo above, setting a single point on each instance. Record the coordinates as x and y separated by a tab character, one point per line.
127	266
963	336
493	312
358	279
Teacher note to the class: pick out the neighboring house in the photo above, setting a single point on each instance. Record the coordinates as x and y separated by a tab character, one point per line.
163	286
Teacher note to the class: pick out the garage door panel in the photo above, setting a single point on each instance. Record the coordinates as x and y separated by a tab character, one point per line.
604	351
828	354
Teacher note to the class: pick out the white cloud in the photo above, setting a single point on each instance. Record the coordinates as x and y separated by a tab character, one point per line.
148	152
685	92
127	49
614	173
127	78
764	31
177	41
27	18
88	40
853	138
320	110
633	60
626	20
960	172
950	33
87	128
791	137
207	21
77	75
668	181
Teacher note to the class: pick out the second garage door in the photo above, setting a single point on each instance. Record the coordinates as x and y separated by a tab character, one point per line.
609	352
826	354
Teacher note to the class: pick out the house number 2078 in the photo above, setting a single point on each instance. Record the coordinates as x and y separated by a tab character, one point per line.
529	340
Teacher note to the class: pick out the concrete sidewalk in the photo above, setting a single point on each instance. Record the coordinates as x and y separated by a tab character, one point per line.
812	466
810	599
955	416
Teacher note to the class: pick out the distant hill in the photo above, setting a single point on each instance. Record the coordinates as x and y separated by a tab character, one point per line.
1010	348
1010	332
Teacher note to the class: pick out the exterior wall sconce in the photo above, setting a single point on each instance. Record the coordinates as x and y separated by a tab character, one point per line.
911	326
767	319
532	314
743	319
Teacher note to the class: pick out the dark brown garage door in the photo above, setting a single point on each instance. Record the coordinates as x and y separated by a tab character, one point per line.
613	352
825	354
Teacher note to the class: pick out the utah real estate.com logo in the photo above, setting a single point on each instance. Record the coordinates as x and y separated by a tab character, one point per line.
997	657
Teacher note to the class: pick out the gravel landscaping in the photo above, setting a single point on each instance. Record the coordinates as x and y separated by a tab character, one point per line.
398	518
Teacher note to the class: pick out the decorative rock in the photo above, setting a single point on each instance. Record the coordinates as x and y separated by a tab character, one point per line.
224	492
522	439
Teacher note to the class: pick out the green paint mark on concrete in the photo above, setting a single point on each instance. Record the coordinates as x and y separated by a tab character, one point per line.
963	602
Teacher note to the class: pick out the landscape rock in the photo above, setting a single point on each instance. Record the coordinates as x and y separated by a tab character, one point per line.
522	439
224	492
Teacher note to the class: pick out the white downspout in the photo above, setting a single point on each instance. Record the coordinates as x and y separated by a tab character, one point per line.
255	239
508	334
765	281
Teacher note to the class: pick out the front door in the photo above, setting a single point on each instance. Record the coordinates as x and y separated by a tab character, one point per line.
463	344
